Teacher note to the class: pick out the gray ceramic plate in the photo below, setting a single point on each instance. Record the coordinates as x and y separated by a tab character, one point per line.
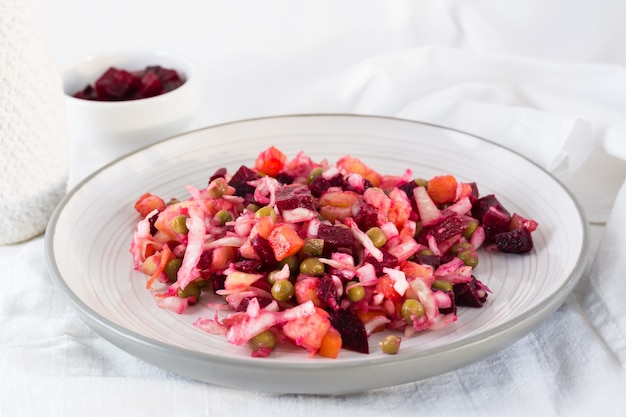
88	238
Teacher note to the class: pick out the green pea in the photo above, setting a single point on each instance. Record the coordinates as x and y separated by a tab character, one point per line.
271	276
312	247
264	340
266	211
471	228
390	344
192	289
315	172
312	266
292	262
421	182
218	188
460	247
442	284
354	292
426	252
223	216
172	267
469	257
252	207
377	236
283	290
411	308
179	224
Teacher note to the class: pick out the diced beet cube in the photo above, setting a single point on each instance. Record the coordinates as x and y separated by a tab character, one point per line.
365	215
351	329
408	188
449	225
249	265
336	239
87	93
243	305
337	181
475	194
432	260
327	292
319	186
389	261
150	85
115	83
482	205
219	173
263	248
284	178
494	222
172	85
514	241
294	196
470	294
205	260
240	179
164	74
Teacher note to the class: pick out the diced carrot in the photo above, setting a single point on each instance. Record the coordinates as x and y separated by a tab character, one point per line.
165	258
385	287
442	189
355	165
270	162
284	242
331	344
415	270
147	203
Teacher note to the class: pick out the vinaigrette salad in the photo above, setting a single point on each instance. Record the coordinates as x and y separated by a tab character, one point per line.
322	255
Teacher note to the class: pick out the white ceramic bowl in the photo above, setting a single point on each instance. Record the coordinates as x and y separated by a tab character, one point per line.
114	128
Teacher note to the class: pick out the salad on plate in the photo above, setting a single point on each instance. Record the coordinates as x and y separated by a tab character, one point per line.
322	255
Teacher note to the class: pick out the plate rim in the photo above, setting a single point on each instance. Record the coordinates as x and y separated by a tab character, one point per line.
93	318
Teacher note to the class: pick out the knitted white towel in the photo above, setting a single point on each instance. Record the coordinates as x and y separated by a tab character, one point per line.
34	142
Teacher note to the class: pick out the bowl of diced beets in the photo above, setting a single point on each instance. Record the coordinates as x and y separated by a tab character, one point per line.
120	102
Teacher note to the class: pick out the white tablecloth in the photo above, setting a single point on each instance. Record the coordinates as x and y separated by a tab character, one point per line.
279	57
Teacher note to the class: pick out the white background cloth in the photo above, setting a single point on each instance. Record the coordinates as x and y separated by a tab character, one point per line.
553	73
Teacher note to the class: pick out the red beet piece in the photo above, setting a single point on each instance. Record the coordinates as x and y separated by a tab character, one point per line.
481	205
336	239
263	248
239	181
494	222
389	261
219	173
351	329
319	186
514	241
470	294
165	74
294	196
150	85
115	84
87	93
365	215
449	225
327	292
